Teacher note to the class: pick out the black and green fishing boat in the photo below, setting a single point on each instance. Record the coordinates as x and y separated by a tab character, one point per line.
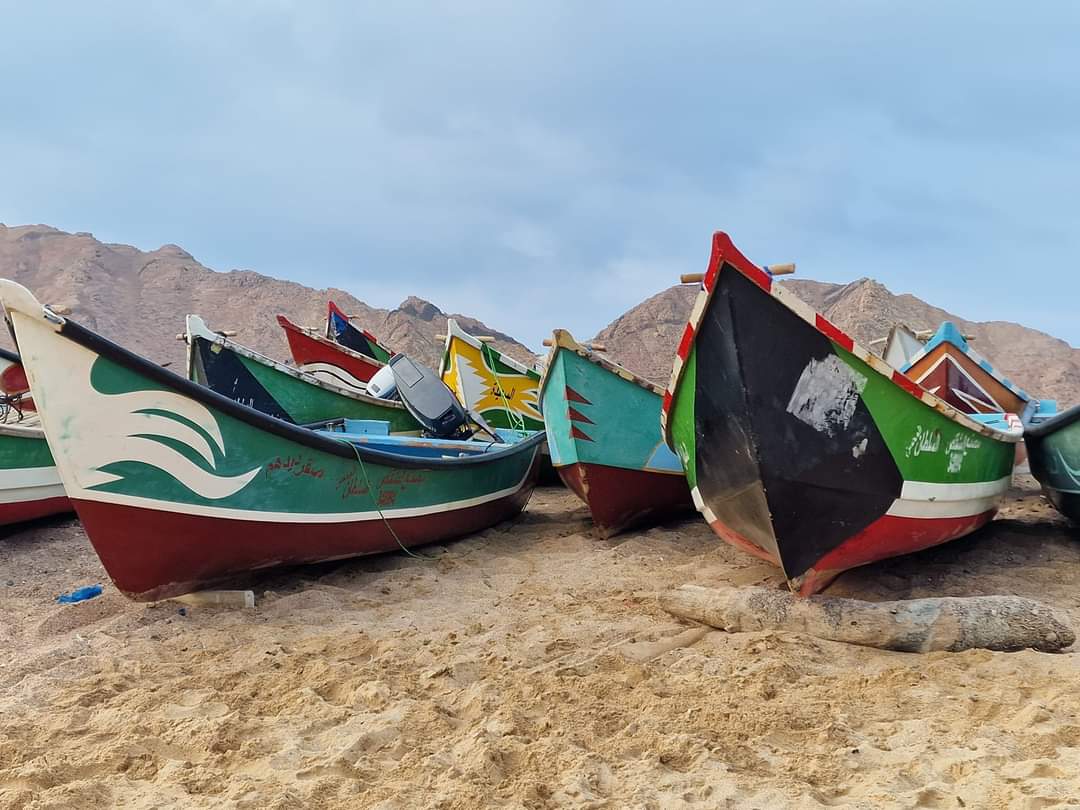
255	380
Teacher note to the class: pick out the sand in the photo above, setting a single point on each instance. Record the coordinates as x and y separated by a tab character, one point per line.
527	667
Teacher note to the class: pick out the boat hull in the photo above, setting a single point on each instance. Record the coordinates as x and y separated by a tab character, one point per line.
188	552
340	330
603	429
326	360
1054	455
30	485
33	508
805	450
950	369
1068	503
620	499
503	391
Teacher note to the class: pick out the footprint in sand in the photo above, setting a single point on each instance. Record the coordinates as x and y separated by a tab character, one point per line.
196	704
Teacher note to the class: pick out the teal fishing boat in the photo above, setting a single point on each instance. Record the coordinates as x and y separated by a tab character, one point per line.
1053	447
603	429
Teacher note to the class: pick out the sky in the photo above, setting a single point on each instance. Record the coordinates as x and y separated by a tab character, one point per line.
551	164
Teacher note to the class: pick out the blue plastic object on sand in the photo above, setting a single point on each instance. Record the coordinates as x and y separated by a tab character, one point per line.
79	595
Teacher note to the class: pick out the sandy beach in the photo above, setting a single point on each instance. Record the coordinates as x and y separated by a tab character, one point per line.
527	667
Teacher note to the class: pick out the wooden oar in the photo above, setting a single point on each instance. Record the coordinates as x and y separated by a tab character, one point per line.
925	334
593	347
221	332
771	269
481	338
781	269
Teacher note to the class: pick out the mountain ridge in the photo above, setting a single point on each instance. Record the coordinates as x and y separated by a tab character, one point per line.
1046	366
139	298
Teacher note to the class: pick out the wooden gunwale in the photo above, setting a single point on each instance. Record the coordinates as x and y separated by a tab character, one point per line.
724	252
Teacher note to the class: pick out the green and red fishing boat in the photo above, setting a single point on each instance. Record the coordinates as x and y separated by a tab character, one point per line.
178	486
603	429
328	360
274	388
805	449
30	485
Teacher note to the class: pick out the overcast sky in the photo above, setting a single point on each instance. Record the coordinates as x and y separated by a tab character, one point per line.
551	164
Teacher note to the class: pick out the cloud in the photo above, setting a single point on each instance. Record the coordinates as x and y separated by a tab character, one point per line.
549	164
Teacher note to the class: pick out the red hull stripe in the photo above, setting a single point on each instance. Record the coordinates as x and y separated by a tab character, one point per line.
830	330
686	342
907	384
32	510
734	538
619	498
152	554
762	279
888	536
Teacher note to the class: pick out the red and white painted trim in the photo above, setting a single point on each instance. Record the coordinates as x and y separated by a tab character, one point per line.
725	253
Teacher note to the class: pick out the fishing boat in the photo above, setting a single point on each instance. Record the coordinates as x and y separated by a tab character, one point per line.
14	387
1053	446
603	429
503	391
323	358
805	449
178	486
901	346
947	365
30	485
340	329
274	388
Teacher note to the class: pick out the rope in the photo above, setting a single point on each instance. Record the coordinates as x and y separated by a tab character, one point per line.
511	414
371	491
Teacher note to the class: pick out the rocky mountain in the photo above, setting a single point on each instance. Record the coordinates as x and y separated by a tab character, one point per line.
645	337
139	299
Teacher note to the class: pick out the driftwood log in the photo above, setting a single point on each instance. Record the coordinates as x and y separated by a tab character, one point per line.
916	625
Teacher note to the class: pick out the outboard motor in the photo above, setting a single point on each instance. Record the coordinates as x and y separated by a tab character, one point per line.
427	398
382	384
